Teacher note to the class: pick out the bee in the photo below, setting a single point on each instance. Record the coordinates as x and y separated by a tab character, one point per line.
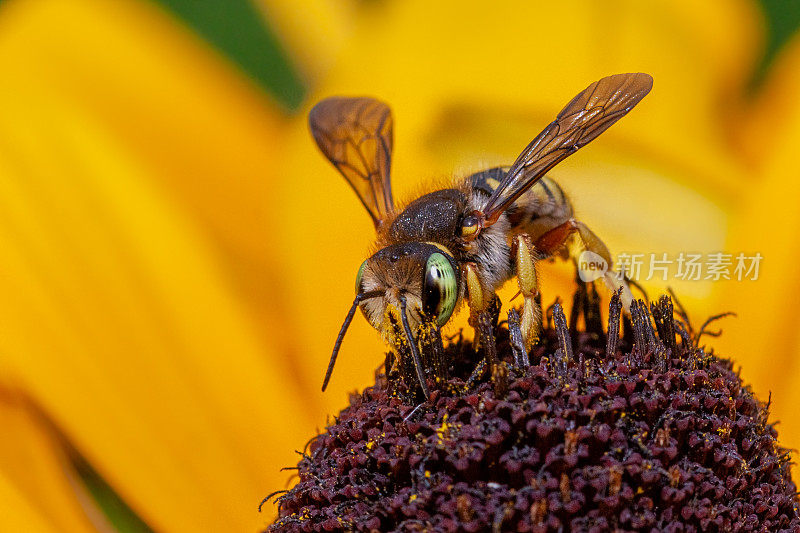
462	243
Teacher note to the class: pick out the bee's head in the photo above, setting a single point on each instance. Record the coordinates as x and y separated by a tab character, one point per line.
399	288
421	278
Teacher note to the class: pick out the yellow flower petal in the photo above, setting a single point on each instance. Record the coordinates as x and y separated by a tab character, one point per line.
36	494
767	120
134	226
17	513
764	338
313	31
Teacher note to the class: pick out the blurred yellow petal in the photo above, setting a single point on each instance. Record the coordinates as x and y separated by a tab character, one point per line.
53	474
36	493
313	31
17	513
528	58
766	123
764	338
134	230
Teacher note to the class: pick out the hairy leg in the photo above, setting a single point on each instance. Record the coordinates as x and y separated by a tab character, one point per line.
554	239
531	316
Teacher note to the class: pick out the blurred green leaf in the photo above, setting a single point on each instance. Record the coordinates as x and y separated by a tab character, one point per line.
783	20
238	30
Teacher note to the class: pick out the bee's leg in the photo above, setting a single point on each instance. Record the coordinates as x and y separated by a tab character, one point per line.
430	339
476	374
480	301
555	238
614	281
531	319
399	371
516	339
404	362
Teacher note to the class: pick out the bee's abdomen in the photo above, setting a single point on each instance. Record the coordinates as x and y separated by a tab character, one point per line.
488	180
540	208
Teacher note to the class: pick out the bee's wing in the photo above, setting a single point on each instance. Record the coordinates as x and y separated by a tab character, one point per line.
355	134
588	115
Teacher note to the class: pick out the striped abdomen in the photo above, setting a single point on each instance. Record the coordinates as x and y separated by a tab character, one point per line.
541	208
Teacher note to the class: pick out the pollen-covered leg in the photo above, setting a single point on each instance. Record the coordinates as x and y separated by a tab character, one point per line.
551	241
516	339
531	318
480	301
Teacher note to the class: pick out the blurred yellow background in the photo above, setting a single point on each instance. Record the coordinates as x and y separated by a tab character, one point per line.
176	257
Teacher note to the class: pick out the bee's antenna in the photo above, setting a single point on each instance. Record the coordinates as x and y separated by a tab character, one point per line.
340	338
414	352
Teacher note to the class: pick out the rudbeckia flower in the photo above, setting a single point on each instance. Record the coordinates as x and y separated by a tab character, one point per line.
177	257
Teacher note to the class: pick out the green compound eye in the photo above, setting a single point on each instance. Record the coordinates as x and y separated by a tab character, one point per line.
359	276
440	290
